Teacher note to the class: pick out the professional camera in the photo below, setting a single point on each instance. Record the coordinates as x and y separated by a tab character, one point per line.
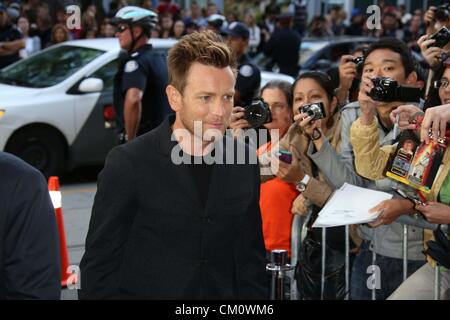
358	61
442	37
258	113
388	90
442	12
314	110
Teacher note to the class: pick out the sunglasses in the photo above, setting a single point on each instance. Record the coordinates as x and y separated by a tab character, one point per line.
121	28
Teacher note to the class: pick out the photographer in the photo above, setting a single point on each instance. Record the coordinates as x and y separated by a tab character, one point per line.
348	76
276	195
435	19
314	148
388	57
436	210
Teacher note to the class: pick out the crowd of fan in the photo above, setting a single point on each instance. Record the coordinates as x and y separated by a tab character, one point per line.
42	24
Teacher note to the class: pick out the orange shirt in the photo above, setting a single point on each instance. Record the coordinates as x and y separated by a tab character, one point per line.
276	203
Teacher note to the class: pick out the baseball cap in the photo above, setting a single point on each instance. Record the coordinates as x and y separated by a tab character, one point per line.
237	29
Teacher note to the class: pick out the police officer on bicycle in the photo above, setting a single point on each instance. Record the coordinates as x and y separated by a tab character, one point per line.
140	83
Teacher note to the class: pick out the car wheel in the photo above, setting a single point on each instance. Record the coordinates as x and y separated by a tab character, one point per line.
42	148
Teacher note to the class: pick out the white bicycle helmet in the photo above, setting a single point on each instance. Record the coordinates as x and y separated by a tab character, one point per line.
136	16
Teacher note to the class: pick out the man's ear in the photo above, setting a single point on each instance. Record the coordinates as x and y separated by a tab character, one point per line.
137	31
174	97
412	78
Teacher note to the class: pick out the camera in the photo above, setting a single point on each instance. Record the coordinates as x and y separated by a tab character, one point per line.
388	90
257	113
314	110
358	61
442	37
442	12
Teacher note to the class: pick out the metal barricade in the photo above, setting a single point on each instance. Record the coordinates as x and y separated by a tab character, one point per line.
279	267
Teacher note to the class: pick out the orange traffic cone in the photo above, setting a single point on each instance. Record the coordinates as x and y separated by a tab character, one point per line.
55	194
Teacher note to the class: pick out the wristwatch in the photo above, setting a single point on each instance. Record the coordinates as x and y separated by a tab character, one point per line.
301	186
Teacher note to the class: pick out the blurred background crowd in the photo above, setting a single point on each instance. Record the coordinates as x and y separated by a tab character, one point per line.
43	23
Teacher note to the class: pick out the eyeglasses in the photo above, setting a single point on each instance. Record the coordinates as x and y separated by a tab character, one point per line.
121	28
441	84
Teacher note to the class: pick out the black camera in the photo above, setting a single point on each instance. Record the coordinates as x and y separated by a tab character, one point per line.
442	37
358	61
388	90
314	110
442	12
257	113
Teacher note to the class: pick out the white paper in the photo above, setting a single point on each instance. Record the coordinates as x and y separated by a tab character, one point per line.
350	205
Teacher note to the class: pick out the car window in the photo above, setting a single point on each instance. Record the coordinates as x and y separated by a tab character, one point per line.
107	73
308	48
335	52
49	67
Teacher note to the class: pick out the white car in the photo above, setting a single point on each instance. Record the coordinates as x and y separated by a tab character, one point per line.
56	108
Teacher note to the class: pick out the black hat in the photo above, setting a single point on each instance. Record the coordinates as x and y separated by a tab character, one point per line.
237	29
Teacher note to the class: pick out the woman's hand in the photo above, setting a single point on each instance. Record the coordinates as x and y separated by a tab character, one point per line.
435	212
290	173
300	205
308	126
390	210
436	119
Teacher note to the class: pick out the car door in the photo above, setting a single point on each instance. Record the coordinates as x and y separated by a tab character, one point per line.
96	135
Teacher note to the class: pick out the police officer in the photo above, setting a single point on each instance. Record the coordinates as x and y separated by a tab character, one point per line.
11	40
216	23
284	45
139	86
248	79
249	76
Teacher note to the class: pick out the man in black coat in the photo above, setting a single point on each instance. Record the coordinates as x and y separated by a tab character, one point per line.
162	228
284	46
29	243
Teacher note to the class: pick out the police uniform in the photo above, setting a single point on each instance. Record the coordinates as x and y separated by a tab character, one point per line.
7	34
249	77
248	81
146	70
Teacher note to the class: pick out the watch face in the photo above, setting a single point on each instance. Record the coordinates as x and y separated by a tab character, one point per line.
300	187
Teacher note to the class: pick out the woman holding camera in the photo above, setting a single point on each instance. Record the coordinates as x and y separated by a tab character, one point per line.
276	195
316	170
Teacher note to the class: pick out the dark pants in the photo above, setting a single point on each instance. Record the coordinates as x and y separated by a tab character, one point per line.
391	274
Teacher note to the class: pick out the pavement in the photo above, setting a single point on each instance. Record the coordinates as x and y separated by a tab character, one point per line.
78	190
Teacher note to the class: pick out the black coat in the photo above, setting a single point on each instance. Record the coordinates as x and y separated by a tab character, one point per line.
29	243
149	236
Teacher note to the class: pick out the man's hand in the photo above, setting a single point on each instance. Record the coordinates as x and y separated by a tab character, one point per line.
347	71
429	19
405	114
431	54
290	173
367	105
132	111
390	211
300	205
436	119
435	212
237	123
